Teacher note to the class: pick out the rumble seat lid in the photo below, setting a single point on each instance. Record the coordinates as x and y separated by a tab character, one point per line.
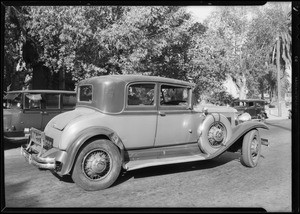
60	121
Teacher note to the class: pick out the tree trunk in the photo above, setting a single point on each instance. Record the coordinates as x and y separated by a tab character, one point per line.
39	77
62	78
243	87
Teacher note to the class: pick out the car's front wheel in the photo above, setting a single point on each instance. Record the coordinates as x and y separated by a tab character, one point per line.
97	166
251	149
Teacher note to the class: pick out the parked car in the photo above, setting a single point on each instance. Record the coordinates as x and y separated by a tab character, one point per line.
127	122
33	108
255	107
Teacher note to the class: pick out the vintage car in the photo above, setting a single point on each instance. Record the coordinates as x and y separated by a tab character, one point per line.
33	108
255	107
127	122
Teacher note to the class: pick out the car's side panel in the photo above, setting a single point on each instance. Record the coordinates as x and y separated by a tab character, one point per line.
176	127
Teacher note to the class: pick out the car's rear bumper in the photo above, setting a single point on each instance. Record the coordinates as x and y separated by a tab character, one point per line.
36	160
40	152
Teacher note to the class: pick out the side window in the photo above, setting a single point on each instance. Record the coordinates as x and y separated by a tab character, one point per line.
68	101
85	93
141	94
33	101
173	95
51	101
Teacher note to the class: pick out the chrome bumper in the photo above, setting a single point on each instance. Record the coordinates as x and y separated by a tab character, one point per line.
36	160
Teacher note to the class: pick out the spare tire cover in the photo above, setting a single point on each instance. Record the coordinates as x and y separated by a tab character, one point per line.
214	133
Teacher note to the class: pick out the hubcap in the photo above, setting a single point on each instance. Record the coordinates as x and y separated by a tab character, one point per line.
216	134
254	149
96	164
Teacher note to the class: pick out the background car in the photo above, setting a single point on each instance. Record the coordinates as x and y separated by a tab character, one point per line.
33	108
128	122
255	107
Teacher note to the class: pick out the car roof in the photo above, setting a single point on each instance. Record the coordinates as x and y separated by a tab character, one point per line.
136	78
42	91
249	100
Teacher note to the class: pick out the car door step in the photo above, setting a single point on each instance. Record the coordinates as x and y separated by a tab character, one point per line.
138	164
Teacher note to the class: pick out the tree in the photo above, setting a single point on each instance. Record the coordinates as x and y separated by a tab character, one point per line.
261	45
14	38
229	26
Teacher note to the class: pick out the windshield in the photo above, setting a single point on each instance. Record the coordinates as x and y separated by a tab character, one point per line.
13	100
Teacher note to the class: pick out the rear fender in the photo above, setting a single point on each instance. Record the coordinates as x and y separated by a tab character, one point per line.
238	132
83	137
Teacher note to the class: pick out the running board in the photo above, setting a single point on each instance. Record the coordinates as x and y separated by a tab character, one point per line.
138	164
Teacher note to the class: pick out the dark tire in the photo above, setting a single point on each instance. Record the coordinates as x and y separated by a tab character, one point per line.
215	131
251	149
97	166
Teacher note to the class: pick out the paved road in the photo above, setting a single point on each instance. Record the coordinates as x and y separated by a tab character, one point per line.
221	182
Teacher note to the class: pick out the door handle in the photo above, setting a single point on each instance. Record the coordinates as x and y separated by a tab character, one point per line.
162	113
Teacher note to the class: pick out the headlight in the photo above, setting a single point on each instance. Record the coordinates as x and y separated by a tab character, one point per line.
244	117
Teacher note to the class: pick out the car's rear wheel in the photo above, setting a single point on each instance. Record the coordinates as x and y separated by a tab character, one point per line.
251	149
97	166
215	131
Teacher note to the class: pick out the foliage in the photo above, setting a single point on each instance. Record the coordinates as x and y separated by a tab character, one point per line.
87	41
266	25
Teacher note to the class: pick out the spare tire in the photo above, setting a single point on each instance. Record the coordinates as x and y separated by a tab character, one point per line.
214	132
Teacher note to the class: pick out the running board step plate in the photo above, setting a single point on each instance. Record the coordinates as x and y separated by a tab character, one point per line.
138	164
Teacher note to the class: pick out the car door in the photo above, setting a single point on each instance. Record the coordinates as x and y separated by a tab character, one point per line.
32	111
50	107
175	119
140	116
251	109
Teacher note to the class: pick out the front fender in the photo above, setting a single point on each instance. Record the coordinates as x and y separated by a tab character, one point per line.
83	136
238	132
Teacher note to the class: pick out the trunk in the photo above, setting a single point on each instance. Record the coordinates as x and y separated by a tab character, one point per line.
243	87
62	80
39	77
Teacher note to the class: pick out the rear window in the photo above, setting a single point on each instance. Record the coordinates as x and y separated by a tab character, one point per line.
69	101
85	93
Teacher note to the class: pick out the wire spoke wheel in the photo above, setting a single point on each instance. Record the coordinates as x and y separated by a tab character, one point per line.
96	164
217	134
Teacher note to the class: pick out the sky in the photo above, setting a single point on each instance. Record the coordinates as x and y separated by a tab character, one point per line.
200	12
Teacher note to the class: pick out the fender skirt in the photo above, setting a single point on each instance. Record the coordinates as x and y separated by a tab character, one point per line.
238	132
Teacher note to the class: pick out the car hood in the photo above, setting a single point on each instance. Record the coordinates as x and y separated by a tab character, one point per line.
62	120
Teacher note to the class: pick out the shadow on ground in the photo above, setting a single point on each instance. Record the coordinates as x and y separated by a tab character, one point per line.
177	168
